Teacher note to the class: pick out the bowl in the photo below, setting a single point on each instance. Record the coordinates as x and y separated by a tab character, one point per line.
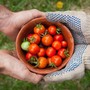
28	28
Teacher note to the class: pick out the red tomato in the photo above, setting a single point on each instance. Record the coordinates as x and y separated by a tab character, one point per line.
52	30
47	40
56	60
39	29
56	45
50	51
28	55
64	44
35	38
61	53
34	48
29	36
41	52
58	37
43	62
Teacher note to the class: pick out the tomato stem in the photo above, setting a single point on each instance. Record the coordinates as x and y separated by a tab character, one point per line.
32	39
33	60
25	39
52	65
66	52
45	33
39	25
58	30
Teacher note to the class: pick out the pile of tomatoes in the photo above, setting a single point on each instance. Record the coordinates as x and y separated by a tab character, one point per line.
45	47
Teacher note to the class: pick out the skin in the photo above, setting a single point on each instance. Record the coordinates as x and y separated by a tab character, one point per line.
10	24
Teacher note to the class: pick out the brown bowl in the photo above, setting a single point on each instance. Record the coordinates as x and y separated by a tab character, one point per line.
28	28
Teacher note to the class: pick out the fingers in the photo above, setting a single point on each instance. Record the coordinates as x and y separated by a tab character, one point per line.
21	18
36	13
18	19
11	66
32	77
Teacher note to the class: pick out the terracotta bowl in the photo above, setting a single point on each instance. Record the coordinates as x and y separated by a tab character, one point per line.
28	28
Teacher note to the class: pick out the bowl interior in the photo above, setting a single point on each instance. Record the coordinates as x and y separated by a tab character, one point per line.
28	28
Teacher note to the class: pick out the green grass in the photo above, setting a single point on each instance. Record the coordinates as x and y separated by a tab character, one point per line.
8	83
44	5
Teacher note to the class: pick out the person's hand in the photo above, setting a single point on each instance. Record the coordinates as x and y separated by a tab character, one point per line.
12	66
79	24
10	24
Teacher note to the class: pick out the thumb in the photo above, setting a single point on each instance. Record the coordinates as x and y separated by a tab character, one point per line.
22	17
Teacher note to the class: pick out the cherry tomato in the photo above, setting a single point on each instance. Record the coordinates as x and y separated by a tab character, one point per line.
35	38
56	60
64	44
29	36
41	52
43	62
61	53
28	55
34	48
39	29
50	51
56	45
25	45
58	37
47	40
52	30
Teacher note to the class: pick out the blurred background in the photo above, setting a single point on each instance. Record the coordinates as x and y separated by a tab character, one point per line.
8	83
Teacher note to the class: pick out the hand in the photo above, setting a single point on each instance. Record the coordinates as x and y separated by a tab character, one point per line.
12	66
79	27
10	24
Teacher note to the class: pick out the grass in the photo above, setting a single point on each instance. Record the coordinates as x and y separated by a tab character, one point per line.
8	83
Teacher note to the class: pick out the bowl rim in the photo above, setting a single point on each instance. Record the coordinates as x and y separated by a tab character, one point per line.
27	65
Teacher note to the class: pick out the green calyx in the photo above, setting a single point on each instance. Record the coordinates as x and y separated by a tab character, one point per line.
32	39
66	52
52	65
34	60
58	30
39	25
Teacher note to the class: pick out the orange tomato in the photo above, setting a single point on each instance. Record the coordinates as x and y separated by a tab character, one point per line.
34	48
35	38
52	30
47	40
43	62
39	29
56	45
